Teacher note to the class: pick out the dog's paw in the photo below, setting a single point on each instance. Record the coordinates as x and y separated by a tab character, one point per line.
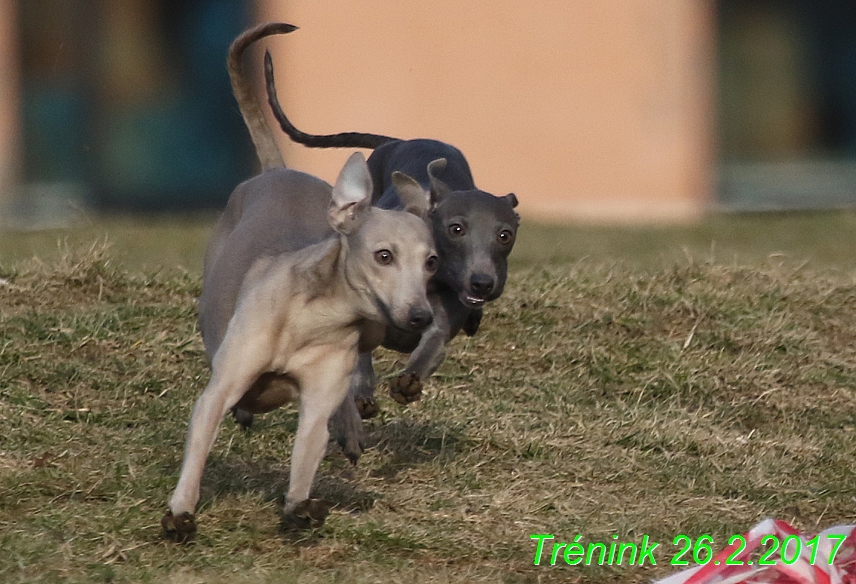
352	445
367	406
405	388
243	417
307	514
178	528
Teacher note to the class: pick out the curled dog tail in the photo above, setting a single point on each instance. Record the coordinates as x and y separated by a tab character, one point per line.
342	140
266	147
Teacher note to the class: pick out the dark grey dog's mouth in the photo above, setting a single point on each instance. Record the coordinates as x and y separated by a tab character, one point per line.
472	301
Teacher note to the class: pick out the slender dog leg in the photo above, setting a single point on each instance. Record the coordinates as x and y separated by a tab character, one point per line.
346	426
236	366
407	386
363	383
323	386
428	356
346	423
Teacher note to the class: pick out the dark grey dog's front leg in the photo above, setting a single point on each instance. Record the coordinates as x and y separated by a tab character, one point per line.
346	423
363	383
428	355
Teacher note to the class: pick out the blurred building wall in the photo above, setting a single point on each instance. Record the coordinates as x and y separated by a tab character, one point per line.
787	104
122	104
591	109
598	109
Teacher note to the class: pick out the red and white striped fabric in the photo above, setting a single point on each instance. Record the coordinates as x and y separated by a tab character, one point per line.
842	570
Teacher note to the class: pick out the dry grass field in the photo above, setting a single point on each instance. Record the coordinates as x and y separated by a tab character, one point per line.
630	382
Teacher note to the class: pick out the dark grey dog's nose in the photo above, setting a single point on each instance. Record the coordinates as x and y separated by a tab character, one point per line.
419	318
481	284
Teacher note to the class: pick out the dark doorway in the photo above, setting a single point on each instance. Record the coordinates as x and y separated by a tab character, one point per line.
787	103
127	103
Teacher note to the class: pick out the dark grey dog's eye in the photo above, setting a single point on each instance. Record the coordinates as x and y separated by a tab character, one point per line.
456	230
383	257
505	237
431	264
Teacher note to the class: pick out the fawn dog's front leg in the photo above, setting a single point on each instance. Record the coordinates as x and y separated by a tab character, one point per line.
323	386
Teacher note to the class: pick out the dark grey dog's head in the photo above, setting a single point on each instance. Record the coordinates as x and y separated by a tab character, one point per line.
474	233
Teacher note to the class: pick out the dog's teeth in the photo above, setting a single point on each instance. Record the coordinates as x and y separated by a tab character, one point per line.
475	301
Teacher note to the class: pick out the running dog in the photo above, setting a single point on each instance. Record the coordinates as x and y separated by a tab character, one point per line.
298	279
474	232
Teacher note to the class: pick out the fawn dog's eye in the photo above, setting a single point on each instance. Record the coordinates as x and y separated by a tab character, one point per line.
384	257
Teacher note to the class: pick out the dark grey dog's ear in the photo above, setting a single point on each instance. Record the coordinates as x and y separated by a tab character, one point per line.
352	196
438	187
416	199
511	198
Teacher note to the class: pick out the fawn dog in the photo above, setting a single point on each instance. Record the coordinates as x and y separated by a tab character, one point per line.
298	278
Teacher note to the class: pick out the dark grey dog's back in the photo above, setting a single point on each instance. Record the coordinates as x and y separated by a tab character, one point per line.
277	211
412	157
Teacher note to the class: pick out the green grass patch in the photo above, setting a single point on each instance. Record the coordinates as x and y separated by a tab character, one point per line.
660	391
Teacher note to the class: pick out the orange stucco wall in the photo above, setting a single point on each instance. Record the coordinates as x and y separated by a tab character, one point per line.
586	109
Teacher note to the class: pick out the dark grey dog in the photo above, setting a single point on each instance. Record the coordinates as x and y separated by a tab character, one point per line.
474	232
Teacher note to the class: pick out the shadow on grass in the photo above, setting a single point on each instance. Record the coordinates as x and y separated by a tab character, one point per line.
269	479
407	443
402	444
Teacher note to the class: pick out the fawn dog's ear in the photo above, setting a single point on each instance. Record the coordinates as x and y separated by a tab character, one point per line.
416	199
351	196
